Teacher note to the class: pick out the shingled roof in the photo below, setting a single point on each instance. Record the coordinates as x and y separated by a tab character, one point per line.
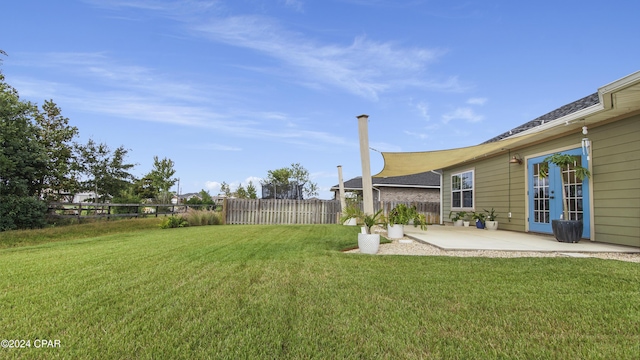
565	110
427	179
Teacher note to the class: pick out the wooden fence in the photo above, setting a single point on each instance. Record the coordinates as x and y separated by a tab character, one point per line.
270	211
239	211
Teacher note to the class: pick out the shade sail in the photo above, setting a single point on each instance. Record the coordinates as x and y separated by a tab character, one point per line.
407	163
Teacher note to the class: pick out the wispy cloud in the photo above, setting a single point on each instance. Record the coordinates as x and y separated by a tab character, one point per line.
464	113
138	93
477	101
363	67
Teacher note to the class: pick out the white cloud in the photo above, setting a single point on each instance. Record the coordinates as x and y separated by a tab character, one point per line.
477	101
364	67
213	187
294	4
137	93
465	113
423	108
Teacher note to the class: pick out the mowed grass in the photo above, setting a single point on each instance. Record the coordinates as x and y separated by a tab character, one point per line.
289	292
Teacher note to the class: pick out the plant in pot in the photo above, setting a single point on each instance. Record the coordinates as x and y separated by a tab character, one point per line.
351	215
402	215
368	242
491	223
565	229
480	219
457	217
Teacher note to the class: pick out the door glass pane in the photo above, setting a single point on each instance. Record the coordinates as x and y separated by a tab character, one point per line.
541	195
573	189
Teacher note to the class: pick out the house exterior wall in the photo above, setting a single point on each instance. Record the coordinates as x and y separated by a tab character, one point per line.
409	194
615	181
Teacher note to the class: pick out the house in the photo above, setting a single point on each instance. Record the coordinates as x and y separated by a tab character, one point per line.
602	130
422	187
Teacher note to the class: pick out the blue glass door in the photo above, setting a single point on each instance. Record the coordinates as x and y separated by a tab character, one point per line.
545	194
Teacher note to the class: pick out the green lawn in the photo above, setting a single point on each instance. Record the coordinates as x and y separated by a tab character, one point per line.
288	292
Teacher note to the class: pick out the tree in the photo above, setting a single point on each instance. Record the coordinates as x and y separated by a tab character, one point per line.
145	189
21	158
161	177
106	172
251	191
289	183
55	135
225	189
241	193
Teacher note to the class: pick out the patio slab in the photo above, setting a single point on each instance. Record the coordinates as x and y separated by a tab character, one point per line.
470	238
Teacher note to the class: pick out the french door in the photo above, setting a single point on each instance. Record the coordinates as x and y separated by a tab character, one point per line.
545	194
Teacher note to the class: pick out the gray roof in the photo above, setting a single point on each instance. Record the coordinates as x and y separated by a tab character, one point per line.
421	180
565	110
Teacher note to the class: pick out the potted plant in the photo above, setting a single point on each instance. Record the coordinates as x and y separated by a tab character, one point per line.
402	215
351	215
480	219
465	220
491	223
368	242
457	217
565	229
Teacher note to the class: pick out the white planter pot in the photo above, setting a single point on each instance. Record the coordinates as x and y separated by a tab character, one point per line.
351	222
465	223
457	223
491	225
369	243
395	231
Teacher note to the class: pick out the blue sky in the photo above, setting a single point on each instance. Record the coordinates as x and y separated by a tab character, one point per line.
231	89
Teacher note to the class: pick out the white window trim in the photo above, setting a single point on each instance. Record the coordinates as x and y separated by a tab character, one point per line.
473	190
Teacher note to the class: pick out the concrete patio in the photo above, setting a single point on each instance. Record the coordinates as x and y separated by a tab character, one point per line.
471	238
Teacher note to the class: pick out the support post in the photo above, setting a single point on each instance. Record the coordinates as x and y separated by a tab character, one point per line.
343	201
367	187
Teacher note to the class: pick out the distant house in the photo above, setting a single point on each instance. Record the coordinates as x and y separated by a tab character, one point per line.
602	130
423	187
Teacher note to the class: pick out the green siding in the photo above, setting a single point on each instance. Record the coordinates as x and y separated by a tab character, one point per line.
615	181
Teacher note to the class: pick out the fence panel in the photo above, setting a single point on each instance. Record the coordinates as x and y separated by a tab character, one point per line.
280	211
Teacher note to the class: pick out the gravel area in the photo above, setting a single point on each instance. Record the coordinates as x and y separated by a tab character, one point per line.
407	246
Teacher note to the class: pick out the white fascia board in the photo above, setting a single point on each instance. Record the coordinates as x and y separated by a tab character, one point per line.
408	186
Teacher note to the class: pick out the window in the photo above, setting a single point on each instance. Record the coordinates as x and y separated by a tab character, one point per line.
462	190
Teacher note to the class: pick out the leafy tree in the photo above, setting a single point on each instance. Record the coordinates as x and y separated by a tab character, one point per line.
225	189
291	183
161	177
106	172
55	135
21	158
145	189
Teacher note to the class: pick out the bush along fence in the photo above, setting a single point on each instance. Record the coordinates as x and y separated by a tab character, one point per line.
238	211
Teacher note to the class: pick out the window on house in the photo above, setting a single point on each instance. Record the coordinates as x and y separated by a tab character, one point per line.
462	190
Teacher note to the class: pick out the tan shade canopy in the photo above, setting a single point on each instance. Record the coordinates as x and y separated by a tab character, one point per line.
407	163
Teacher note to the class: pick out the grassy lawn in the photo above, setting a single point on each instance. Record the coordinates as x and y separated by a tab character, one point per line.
288	292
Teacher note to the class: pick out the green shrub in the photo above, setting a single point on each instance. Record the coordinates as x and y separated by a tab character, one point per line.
22	213
173	222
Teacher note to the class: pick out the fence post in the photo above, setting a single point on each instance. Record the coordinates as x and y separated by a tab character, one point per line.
225	208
